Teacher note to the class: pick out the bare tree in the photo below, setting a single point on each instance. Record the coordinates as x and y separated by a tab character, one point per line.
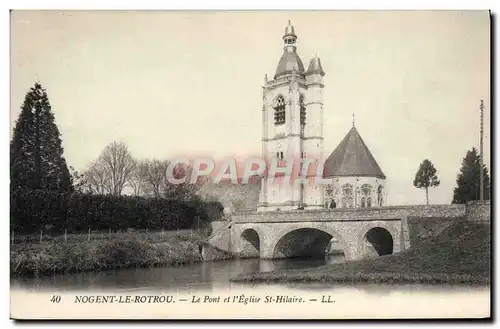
154	172
117	164
95	179
137	179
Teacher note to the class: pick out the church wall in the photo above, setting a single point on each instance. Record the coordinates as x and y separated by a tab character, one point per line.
314	116
313	149
312	143
281	140
314	79
313	196
314	111
269	103
355	198
279	193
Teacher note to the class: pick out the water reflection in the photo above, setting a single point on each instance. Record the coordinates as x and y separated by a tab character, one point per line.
213	277
202	276
210	276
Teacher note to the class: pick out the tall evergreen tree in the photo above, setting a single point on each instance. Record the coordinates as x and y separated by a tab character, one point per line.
468	180
36	152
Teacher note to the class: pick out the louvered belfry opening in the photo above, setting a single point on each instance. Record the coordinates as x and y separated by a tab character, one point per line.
279	111
302	111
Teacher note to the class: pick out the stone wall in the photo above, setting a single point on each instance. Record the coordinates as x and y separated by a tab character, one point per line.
216	226
420	229
478	211
221	237
396	212
210	252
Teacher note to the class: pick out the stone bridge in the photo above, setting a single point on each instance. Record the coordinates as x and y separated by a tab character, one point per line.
358	233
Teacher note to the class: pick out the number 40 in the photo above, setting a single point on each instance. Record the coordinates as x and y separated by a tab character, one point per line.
55	299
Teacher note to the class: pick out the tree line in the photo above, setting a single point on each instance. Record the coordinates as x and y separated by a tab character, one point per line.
48	194
35	210
468	179
116	170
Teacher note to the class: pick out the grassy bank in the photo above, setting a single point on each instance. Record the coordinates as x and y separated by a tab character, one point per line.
124	251
459	254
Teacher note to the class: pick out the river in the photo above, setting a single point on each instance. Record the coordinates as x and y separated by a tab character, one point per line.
206	276
212	279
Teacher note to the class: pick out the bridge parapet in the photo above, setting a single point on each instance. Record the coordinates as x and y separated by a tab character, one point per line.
346	214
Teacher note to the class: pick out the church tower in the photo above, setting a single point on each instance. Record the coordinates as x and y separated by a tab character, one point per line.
292	128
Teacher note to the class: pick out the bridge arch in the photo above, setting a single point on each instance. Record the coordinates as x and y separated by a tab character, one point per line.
380	240
250	243
306	242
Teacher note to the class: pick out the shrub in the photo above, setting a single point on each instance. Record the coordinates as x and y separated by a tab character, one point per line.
35	210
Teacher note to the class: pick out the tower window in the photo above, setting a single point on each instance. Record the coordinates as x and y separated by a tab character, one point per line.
302	110
279	111
281	162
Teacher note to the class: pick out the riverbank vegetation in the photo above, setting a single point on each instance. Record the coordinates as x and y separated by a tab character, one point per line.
56	212
460	254
125	250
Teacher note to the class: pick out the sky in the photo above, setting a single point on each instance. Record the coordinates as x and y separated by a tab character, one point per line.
169	83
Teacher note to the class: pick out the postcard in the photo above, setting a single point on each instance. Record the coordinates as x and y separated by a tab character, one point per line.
250	165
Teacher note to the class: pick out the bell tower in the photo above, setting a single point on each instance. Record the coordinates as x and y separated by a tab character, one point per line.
292	125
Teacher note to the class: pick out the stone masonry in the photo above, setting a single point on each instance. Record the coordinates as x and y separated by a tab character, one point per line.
293	233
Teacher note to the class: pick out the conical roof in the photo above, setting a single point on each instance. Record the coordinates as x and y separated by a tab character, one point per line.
315	66
289	61
352	158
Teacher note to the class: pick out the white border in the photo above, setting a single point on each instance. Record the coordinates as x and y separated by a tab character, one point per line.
193	5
